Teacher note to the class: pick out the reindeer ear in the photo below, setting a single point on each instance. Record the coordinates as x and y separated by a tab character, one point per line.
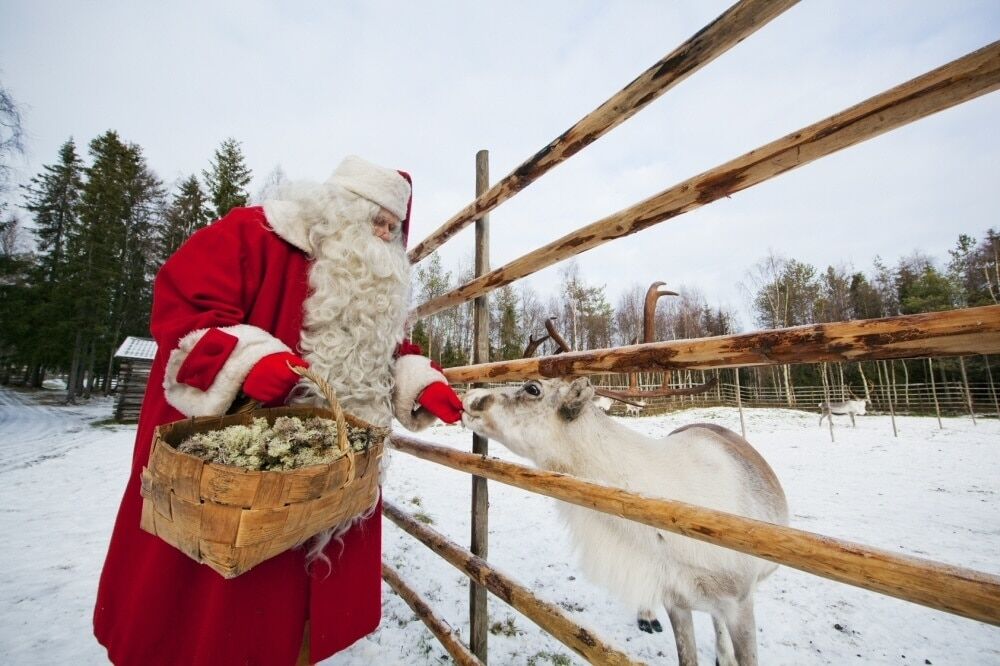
574	397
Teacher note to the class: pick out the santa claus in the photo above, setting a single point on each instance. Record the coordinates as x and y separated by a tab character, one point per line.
316	277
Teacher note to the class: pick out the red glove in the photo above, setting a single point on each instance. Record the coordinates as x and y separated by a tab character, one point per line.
442	402
406	348
271	380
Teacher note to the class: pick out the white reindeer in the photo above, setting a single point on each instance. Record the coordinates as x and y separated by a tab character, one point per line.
851	407
633	410
555	424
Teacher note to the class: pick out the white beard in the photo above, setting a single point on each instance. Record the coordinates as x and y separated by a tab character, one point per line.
355	314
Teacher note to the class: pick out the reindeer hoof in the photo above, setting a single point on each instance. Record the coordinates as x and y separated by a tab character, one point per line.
644	625
657	627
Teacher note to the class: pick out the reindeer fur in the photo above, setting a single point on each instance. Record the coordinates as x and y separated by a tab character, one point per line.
555	424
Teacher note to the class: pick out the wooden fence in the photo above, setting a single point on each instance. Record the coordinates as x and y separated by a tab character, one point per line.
906	399
964	332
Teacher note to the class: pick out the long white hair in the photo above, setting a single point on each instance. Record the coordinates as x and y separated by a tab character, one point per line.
355	314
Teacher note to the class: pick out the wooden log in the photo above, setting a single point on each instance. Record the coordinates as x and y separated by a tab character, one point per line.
948	333
449	639
957	590
729	29
479	620
548	616
961	80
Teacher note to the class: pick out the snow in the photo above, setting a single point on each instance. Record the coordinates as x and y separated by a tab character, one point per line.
931	493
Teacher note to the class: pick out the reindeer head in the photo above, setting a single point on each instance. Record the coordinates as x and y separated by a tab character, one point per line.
526	418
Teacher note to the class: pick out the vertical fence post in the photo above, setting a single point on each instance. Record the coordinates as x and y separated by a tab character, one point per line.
843	388
937	407
739	402
906	383
478	619
993	391
826	399
892	409
864	381
965	385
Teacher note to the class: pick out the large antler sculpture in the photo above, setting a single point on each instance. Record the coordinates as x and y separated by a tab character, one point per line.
623	396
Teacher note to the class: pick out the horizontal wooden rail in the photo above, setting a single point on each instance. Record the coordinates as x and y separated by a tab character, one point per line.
948	333
444	633
736	24
959	81
964	592
547	616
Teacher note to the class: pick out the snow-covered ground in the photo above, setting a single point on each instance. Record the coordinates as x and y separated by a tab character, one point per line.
931	493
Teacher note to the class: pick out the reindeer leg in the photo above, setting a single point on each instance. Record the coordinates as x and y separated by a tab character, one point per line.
724	655
683	626
853	424
743	631
647	621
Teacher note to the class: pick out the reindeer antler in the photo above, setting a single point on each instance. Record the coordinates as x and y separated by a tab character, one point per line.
533	345
558	339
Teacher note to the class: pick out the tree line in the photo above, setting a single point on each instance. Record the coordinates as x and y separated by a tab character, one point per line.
779	292
103	225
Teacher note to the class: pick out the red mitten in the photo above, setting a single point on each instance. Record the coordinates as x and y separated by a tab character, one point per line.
441	401
406	348
270	380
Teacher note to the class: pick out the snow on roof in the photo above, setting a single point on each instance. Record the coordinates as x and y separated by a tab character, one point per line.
138	348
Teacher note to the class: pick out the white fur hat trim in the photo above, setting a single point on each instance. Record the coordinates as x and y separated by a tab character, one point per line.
379	185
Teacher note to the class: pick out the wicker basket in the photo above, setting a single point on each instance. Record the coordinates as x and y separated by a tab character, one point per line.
232	519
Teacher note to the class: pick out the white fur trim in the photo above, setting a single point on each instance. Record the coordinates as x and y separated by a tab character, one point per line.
254	344
377	184
412	375
286	220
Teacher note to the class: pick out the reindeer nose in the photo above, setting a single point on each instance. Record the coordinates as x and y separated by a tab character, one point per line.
477	401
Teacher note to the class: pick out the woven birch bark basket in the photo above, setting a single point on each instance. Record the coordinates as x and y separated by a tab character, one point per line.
232	519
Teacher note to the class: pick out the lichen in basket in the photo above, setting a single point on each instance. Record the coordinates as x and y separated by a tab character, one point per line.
288	444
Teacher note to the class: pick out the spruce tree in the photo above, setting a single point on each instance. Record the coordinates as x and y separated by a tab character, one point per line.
228	178
187	213
111	256
53	197
18	336
509	343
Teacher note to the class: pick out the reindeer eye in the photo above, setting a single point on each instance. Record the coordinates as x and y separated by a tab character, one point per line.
533	389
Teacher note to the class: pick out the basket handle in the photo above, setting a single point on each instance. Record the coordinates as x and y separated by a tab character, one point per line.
338	412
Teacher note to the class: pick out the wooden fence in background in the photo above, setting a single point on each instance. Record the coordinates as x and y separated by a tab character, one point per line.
964	332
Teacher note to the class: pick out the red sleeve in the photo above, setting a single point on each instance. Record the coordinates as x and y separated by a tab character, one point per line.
207	358
205	282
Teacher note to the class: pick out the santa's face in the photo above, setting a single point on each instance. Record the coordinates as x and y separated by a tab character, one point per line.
386	225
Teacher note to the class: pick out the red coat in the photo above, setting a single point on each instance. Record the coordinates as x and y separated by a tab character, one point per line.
154	604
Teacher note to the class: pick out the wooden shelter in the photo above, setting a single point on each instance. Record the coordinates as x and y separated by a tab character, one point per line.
136	359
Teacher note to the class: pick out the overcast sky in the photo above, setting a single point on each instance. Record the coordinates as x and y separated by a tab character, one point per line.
423	85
